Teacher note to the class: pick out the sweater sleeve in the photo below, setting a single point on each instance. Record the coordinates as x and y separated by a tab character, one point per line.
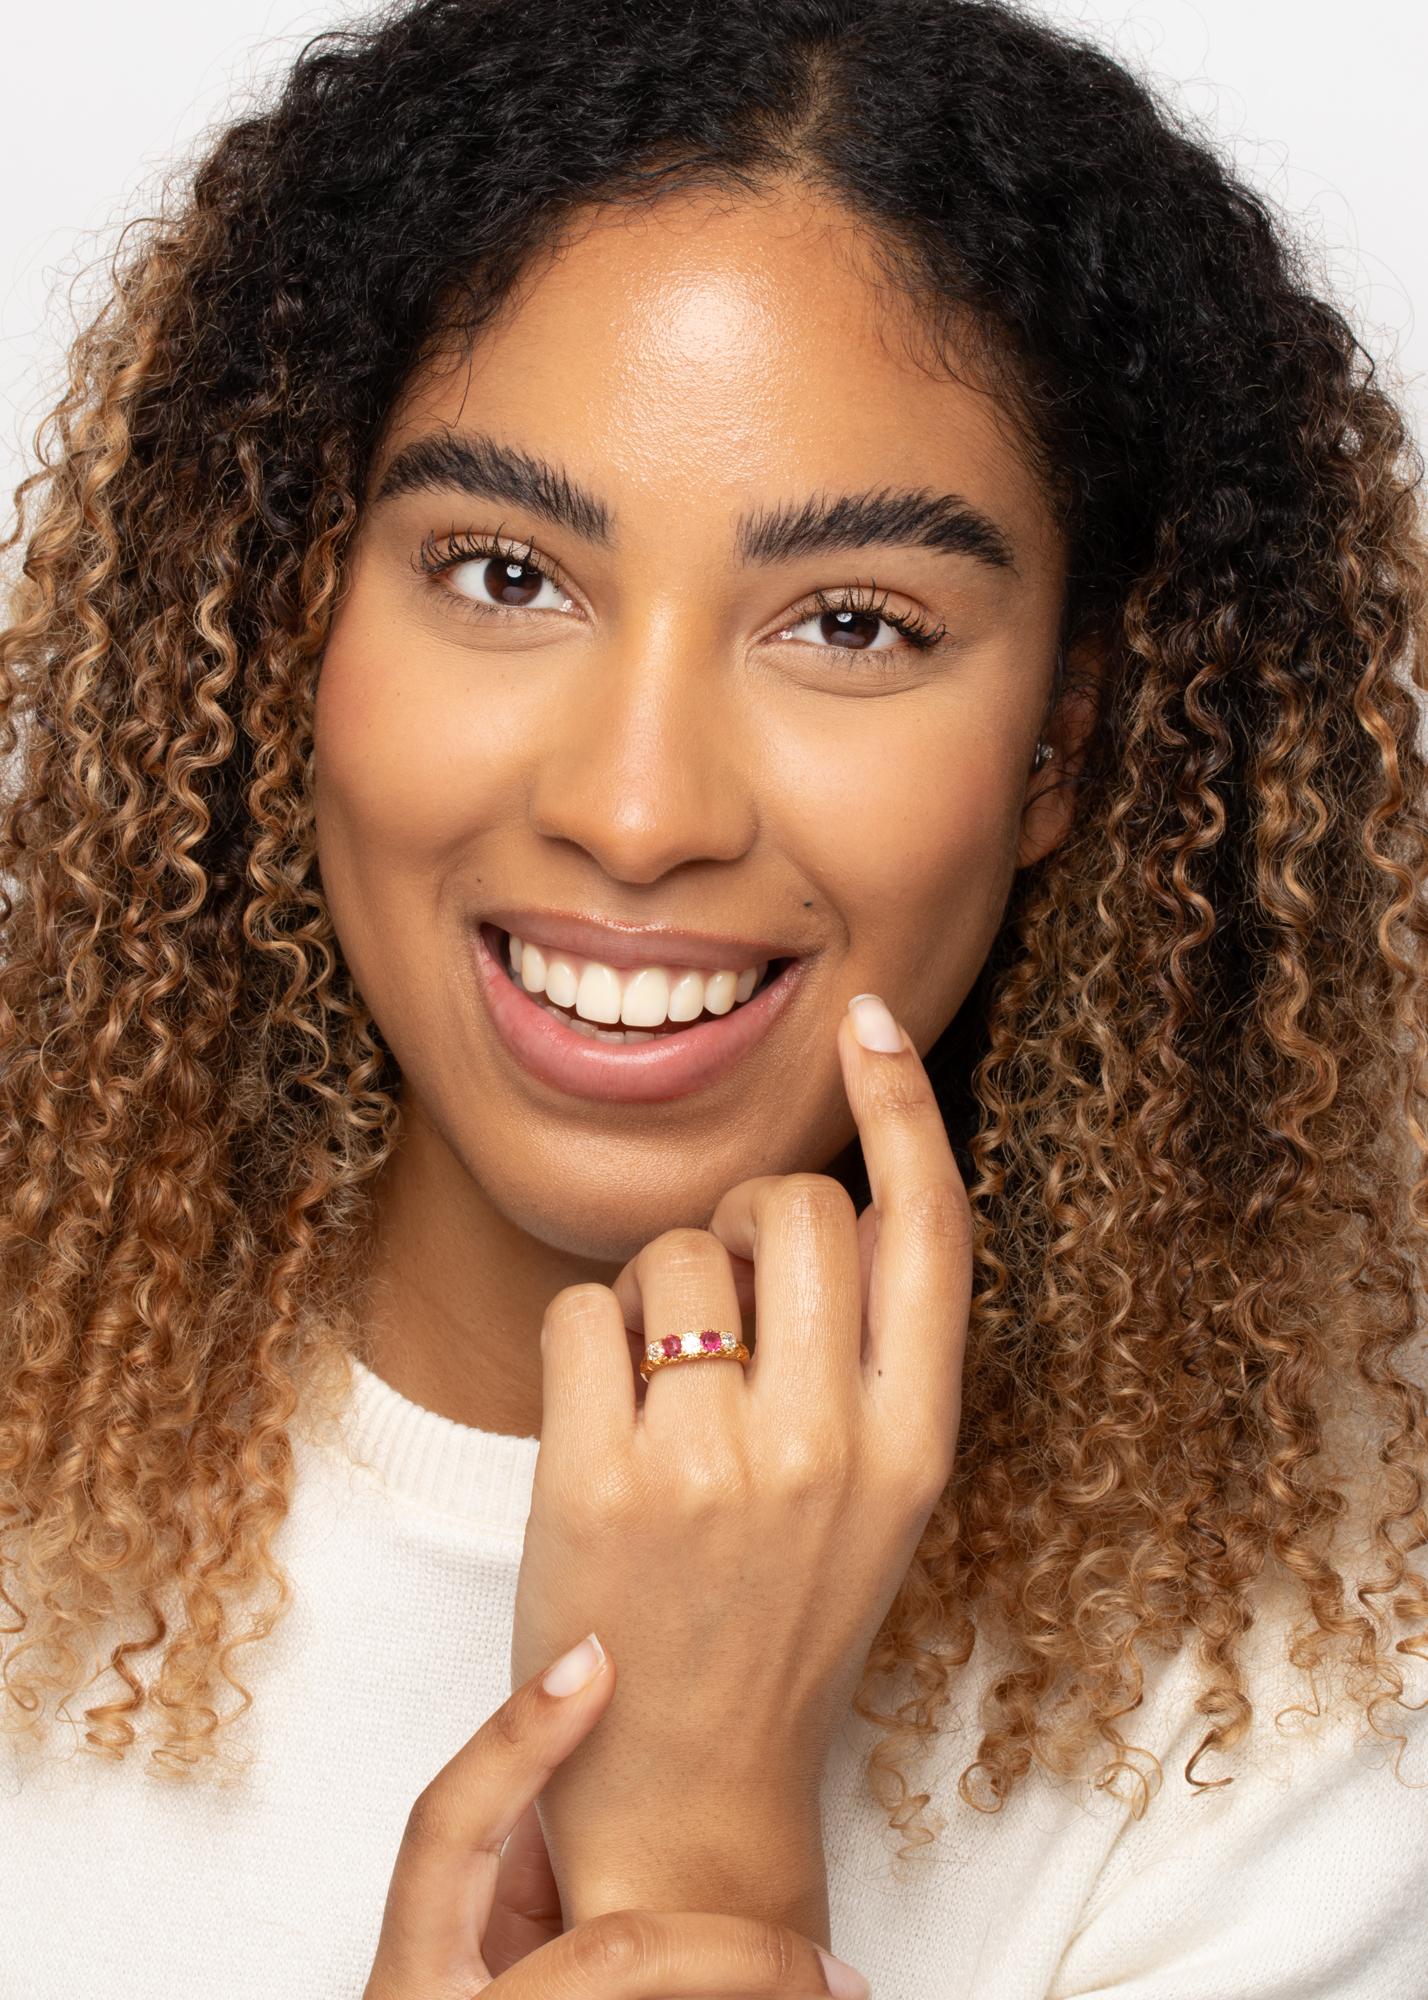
1305	1879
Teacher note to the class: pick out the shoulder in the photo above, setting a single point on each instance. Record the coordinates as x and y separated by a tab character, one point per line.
1298	1863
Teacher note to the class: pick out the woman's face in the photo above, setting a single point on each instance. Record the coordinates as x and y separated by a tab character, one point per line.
654	723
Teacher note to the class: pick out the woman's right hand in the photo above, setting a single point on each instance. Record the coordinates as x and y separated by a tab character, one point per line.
445	1882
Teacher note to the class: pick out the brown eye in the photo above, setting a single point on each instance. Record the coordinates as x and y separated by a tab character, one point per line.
847	629
513	583
490	576
857	630
501	581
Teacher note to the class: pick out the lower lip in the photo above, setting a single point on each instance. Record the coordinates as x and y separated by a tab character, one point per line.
629	1072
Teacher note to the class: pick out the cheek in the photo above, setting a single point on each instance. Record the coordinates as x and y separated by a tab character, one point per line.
911	826
397	786
399	792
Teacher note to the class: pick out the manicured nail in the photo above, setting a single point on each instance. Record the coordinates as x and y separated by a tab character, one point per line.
575	1669
843	1982
873	1025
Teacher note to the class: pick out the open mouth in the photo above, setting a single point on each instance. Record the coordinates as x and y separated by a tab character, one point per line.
685	991
554	1043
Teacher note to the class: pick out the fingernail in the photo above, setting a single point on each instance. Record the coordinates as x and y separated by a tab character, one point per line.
873	1025
575	1669
843	1982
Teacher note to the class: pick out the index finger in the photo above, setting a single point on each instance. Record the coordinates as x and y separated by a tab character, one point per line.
920	1286
443	1882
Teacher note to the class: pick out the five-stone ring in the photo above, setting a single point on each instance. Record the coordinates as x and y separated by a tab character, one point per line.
709	1340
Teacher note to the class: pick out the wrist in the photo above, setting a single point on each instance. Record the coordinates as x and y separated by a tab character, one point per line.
723	1859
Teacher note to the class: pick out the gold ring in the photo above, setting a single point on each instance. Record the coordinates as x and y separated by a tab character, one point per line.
706	1342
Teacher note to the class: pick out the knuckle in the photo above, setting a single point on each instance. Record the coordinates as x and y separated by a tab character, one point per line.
577	1305
814	1200
430	1822
606	1496
616	1946
589	1499
935	1210
926	1492
507	1725
901	1090
711	1481
777	1953
926	1467
807	1464
680	1249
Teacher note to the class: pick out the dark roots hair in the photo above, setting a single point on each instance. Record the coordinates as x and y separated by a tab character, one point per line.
1188	1088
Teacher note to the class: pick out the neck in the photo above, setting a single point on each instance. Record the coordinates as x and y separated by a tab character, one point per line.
459	1290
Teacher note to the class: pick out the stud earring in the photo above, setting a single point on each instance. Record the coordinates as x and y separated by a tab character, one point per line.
1043	753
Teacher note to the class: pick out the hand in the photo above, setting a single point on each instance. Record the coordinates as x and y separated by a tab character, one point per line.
738	1535
448	1882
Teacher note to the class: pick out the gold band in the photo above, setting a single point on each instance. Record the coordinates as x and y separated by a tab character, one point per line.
705	1343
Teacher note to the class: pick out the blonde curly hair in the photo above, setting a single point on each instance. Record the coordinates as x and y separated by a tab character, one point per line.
1188	1088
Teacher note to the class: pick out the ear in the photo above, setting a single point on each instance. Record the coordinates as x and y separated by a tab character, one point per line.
1050	802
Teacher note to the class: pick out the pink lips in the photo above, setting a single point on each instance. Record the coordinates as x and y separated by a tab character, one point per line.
631	1072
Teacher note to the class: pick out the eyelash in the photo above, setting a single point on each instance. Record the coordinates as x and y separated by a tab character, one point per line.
437	555
915	630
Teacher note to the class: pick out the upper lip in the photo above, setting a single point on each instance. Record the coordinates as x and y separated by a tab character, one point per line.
629	945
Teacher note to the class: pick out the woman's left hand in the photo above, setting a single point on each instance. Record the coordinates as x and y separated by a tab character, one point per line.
737	1533
525	1907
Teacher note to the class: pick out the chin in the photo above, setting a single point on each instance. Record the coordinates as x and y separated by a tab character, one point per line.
607	1240
601	1225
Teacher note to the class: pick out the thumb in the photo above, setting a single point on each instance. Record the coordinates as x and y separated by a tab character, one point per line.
443	1882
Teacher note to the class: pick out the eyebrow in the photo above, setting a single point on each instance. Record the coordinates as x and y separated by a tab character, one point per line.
944	522
486	469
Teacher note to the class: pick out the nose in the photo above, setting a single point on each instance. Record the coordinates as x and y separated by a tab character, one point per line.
649	765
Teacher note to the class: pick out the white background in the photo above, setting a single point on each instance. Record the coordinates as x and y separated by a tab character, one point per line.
1322	106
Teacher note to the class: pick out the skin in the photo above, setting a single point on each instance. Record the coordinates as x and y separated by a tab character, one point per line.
456	1918
658	756
669	735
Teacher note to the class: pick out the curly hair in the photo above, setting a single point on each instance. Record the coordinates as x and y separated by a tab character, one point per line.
1187	1088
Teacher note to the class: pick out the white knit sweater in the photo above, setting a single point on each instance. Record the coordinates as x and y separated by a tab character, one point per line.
1306	1878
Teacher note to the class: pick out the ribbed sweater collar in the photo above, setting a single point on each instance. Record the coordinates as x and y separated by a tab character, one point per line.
451	1468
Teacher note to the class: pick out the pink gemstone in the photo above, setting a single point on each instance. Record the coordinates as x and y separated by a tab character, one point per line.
710	1341
673	1344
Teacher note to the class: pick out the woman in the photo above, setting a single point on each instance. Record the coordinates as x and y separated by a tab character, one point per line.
589	541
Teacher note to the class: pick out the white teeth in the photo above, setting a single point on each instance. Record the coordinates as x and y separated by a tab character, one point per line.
532	968
589	1028
719	991
597	998
561	981
644	998
686	997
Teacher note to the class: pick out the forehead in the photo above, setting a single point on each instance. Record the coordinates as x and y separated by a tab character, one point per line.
697	356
